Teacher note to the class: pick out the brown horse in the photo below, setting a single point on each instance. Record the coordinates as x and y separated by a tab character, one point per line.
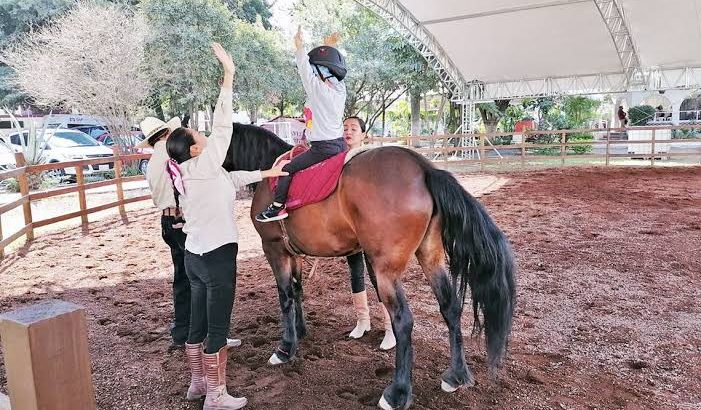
391	203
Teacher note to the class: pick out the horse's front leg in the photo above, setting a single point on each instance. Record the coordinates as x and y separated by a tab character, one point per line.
300	323
282	264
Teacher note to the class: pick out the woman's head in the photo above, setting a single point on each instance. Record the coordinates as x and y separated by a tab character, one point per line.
185	143
354	131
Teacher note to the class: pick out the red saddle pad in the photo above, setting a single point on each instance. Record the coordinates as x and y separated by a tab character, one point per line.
313	184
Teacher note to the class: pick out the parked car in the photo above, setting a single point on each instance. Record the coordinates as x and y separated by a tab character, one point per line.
135	138
7	158
68	145
95	131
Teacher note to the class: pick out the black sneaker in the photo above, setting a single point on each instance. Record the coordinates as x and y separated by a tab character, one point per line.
273	213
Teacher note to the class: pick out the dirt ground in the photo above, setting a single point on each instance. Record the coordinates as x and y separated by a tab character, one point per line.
608	315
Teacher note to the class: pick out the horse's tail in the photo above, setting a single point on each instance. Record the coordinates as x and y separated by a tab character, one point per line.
479	255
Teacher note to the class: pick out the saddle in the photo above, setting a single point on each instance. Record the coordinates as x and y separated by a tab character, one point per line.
313	184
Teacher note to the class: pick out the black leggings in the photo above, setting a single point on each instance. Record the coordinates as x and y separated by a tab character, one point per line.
319	151
175	238
356	265
213	283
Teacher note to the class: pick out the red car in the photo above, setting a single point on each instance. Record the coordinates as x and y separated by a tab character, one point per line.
136	137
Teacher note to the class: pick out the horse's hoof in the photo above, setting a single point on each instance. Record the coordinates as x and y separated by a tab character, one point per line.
383	404
275	360
447	387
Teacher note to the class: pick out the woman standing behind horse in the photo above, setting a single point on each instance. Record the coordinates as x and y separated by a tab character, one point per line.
207	194
354	132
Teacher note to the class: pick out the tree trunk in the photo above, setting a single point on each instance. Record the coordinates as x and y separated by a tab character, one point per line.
415	106
159	111
384	109
253	114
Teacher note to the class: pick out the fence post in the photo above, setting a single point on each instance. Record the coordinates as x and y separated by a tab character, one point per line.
80	180
23	181
45	348
652	149
482	158
118	179
563	148
523	154
608	144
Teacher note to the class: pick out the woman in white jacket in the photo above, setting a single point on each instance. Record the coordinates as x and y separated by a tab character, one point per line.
207	194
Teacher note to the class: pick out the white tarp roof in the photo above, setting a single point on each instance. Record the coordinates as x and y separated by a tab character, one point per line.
515	45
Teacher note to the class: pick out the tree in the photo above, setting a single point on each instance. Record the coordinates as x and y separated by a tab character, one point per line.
492	112
251	11
265	70
382	67
97	69
16	18
180	61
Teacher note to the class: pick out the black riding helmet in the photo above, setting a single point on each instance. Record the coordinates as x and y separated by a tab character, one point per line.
330	58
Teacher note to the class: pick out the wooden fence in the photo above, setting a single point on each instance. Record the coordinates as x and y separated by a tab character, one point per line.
451	149
23	171
445	149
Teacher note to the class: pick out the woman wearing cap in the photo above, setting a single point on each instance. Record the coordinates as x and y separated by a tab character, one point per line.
207	194
322	71
354	133
156	132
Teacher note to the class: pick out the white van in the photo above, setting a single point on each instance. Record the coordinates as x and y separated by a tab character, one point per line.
70	121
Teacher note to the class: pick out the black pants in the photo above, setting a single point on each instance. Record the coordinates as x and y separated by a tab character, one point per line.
175	238
356	265
213	282
319	151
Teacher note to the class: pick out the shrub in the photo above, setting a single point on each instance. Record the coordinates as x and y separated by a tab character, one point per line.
641	114
580	149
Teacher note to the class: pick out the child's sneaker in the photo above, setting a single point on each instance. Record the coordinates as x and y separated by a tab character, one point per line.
273	213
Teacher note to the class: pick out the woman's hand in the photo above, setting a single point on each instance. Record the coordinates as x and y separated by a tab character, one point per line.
332	39
275	171
224	58
299	42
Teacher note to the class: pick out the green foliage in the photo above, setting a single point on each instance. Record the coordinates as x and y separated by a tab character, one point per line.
251	11
641	114
580	149
16	18
180	58
381	65
512	115
579	110
265	71
546	139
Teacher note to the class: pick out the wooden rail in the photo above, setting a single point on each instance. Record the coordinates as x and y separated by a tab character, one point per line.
439	149
23	171
446	149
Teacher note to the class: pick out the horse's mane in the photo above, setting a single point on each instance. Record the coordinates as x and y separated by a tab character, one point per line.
252	148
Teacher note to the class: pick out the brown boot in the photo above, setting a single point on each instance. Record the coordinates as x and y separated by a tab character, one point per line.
362	312
217	396
198	388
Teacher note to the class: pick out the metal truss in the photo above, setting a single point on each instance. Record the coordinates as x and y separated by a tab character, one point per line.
612	13
423	41
654	79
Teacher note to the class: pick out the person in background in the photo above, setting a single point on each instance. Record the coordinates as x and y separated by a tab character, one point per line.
354	133
622	116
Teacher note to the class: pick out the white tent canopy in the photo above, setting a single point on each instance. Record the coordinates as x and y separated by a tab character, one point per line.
490	49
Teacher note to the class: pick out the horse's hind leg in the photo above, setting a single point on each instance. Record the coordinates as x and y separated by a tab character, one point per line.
431	257
391	293
300	323
282	264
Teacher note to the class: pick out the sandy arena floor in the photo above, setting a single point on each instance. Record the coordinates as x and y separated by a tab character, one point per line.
608	315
